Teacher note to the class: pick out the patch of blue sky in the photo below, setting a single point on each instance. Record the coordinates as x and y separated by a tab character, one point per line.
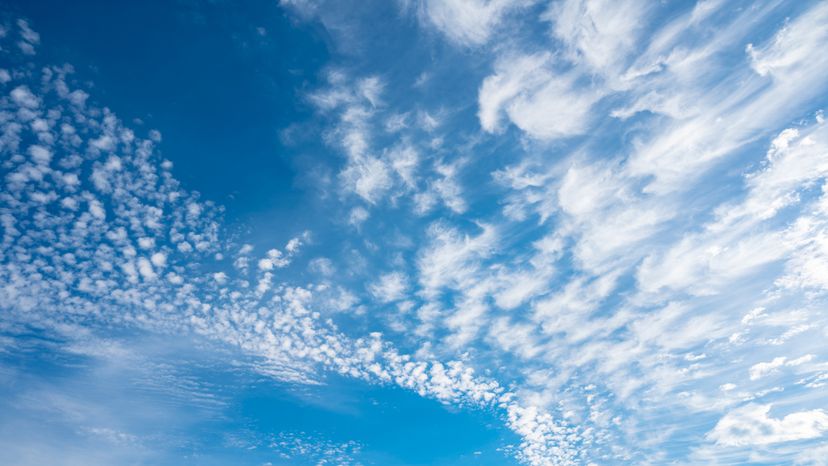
142	398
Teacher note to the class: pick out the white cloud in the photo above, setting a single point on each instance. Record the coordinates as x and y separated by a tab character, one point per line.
600	33
469	22
752	425
453	257
405	160
375	175
690	145
145	269
22	96
390	287
808	266
813	456
730	246
586	189
159	259
40	154
796	45
445	187
759	370
29	38
368	177
543	102
357	216
274	259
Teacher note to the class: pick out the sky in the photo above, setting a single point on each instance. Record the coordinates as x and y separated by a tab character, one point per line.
413	232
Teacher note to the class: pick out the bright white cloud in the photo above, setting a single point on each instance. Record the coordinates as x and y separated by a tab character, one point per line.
600	33
752	424
537	98
759	370
796	45
453	257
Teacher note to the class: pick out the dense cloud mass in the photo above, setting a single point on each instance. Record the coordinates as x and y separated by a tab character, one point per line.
640	279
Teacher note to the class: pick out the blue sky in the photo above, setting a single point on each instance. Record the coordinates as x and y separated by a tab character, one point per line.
410	232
